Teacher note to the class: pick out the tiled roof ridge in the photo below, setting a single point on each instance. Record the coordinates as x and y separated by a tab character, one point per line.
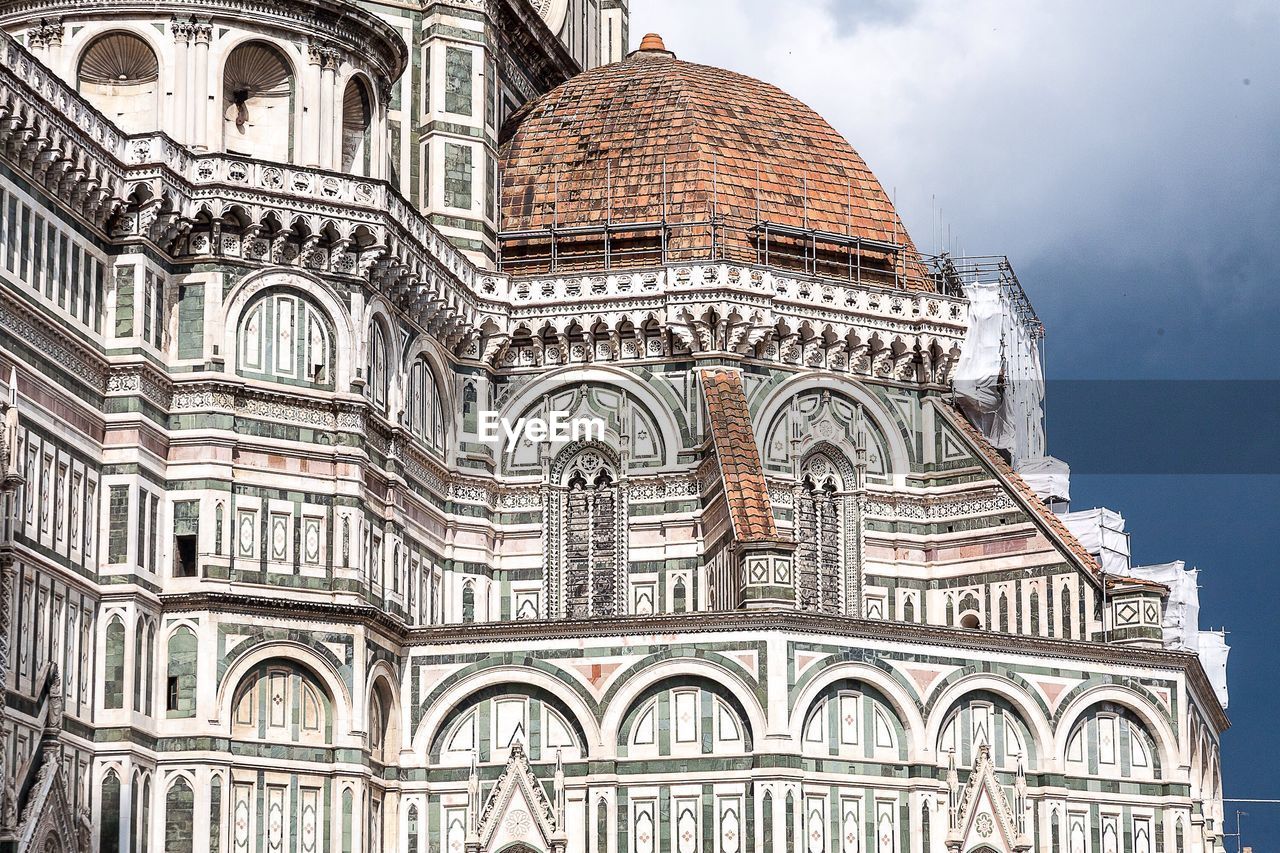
737	456
1023	492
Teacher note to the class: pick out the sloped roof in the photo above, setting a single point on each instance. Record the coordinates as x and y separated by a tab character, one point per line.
1028	497
735	443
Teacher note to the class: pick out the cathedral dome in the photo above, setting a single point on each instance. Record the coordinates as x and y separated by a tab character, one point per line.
654	139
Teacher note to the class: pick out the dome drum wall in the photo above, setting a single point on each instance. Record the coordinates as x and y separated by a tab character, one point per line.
655	161
262	80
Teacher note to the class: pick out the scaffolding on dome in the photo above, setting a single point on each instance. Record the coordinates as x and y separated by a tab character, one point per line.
639	236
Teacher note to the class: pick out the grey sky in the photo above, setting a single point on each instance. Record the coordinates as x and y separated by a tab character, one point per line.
1113	149
1116	153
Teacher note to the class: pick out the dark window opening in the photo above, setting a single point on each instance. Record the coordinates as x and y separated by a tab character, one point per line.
185	555
171	700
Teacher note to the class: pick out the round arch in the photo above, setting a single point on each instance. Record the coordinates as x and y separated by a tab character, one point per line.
382	675
1024	703
242	295
296	653
429	348
636	681
378	312
1148	713
899	462
660	410
357	157
899	698
443	704
106	60
288	55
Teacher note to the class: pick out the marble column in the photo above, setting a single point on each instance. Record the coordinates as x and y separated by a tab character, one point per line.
308	152
181	124
328	100
200	88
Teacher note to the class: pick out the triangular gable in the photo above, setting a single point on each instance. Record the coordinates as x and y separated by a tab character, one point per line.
47	815
518	810
1048	522
981	814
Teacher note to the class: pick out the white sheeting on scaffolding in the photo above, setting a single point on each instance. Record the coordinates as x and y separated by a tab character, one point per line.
999	379
1048	477
1101	532
1182	610
1182	621
1213	657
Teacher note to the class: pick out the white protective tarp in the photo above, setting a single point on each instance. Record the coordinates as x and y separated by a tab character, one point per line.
1101	532
999	379
1182	610
1213	657
1048	477
1181	627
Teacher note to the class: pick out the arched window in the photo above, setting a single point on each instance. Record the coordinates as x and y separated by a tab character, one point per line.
180	680
141	812
120	75
113	671
985	718
144	641
820	536
412	826
1111	741
587	563
347	809
357	120
284	337
698	718
215	814
377	374
854	721
383	731
468	602
766	810
179	814
280	701
486	727
109	828
257	103
424	413
1065	611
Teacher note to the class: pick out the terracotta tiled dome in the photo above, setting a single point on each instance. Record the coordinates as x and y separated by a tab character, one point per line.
722	143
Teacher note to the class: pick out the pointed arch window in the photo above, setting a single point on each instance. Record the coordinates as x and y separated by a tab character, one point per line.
821	510
376	372
424	413
586	568
109	829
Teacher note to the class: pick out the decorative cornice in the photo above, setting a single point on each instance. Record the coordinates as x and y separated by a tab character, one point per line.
753	622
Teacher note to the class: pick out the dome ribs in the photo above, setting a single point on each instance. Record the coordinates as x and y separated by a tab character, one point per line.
762	165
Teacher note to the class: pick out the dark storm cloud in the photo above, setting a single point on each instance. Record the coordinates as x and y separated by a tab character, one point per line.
1123	154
